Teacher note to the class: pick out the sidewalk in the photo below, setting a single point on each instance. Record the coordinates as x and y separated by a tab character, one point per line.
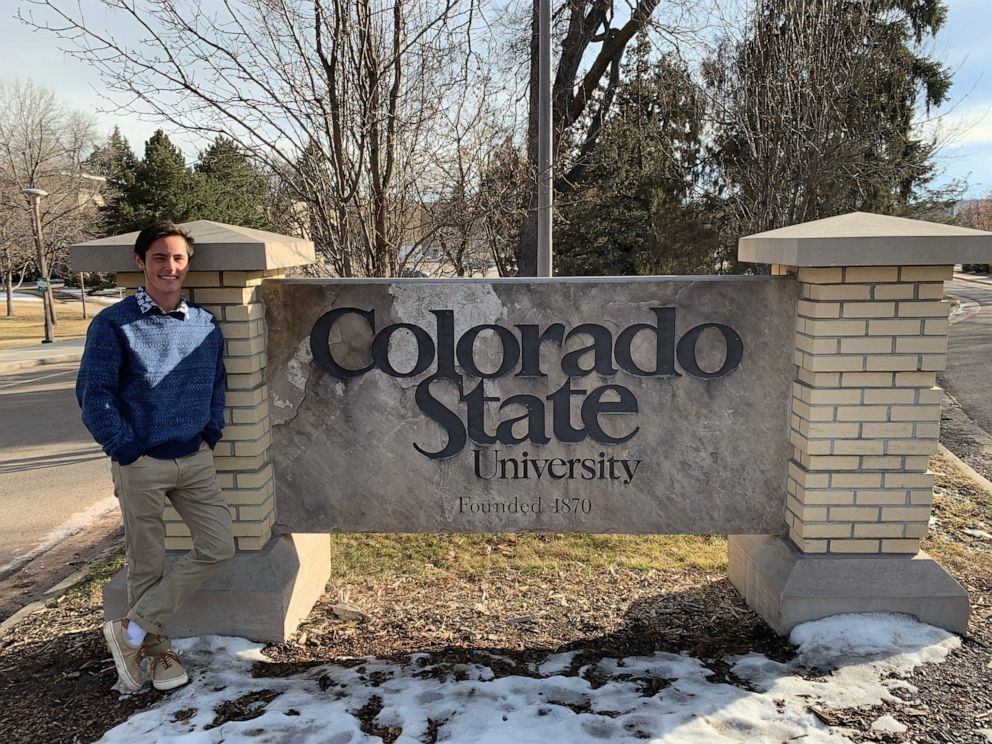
22	357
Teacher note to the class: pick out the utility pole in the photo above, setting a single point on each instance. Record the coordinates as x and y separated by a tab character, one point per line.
34	198
545	171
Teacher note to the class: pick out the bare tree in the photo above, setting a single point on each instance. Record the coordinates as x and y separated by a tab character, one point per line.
42	145
341	98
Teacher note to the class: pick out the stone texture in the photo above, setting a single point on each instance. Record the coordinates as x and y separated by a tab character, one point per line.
713	452
863	239
217	247
787	587
259	595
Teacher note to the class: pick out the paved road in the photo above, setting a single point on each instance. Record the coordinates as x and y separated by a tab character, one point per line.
53	477
968	376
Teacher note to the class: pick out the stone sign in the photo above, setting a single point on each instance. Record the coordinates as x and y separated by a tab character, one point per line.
629	405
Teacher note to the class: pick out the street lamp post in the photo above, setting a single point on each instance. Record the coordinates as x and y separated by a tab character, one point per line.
545	169
34	198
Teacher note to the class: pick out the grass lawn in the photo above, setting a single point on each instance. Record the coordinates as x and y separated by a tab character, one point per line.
27	326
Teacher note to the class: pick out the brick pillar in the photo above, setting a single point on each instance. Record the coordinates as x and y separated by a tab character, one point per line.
865	409
863	419
273	580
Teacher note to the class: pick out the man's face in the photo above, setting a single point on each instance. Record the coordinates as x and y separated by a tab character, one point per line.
165	266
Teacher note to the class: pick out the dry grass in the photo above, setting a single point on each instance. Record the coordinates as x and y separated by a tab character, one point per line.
27	326
357	555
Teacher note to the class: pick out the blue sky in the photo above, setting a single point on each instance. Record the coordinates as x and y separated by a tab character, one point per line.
964	125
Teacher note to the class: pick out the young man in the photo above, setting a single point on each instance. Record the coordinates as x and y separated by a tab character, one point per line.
151	389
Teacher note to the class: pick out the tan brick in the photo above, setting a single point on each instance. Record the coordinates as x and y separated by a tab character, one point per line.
244	365
900	546
236	329
867	379
881	497
250	528
821	396
872	462
250	496
916	529
877	529
819	379
242	278
806	513
934	291
809	309
834	462
826	497
933	396
862	413
869	309
247	312
815	345
247	398
225	481
886	431
919	463
889	397
253	543
255	478
869	345
818	275
911	447
853	514
254	513
915	413
837	327
249	415
257	447
837	291
893	363
921	345
891	327
819	430
905	513
927	431
859	447
908	480
926	273
235	464
923	309
808	479
223	449
834	362
921	498
915	379
780	270
227	295
871	274
245	347
855	480
824	530
811	546
245	382
854	546
893	292
246	432
814	447
933	362
201	279
178	543
171	515
936	327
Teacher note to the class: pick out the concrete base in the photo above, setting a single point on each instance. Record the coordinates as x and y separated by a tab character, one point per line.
787	587
259	595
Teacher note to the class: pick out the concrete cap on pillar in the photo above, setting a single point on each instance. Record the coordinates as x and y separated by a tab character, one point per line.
218	247
864	239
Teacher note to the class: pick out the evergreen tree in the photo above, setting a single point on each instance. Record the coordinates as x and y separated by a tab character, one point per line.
634	211
228	187
163	185
116	161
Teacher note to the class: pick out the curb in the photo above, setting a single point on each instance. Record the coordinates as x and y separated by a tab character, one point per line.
980	480
68	356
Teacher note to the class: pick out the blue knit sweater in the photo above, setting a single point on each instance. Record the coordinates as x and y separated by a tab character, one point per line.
151	383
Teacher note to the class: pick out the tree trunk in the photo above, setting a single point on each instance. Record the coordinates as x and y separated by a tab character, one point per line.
8	284
527	250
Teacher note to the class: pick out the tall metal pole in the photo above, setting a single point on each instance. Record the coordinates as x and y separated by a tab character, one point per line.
82	291
545	171
34	196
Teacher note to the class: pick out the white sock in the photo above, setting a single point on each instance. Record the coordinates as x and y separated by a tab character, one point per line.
135	633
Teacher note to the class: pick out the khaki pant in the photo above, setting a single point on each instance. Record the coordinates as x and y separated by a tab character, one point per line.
142	487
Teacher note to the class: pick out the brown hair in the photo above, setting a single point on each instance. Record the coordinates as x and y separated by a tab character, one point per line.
160	229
